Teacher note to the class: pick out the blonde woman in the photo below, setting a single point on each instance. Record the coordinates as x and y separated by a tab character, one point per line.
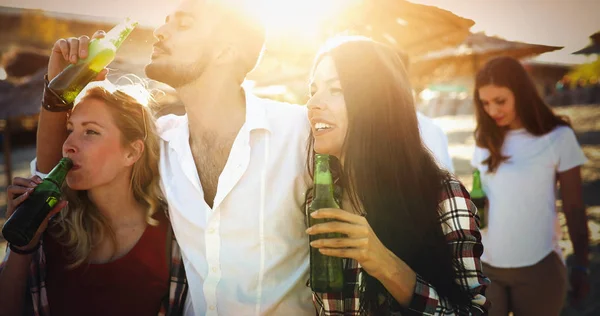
110	251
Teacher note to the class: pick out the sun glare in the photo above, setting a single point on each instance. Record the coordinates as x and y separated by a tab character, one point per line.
302	18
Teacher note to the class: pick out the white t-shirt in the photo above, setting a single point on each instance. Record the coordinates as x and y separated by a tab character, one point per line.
522	220
436	140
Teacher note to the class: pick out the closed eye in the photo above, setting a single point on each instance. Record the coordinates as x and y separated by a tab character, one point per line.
335	91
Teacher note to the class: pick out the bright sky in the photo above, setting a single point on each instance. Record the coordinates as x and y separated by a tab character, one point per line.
552	22
567	23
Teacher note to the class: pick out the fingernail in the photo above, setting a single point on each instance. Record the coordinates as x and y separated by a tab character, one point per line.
74	58
308	230
313	214
81	52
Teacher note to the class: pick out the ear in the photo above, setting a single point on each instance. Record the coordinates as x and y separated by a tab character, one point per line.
136	149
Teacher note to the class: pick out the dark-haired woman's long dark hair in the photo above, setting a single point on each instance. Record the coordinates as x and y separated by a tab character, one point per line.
388	172
535	115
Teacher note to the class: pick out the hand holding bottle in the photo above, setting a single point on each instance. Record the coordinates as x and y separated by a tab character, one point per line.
70	51
361	243
17	193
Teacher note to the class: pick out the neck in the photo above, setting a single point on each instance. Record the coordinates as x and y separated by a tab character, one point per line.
213	99
116	202
516	124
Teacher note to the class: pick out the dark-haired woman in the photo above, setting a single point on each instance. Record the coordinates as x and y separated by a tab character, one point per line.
412	245
523	148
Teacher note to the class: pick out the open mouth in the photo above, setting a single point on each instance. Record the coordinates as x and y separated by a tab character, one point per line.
322	126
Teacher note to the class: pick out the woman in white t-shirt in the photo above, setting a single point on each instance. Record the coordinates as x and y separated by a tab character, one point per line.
523	148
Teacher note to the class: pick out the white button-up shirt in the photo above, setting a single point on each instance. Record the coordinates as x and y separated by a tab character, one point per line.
248	255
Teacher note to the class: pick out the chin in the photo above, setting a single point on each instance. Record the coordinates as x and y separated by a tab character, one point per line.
153	70
325	149
76	184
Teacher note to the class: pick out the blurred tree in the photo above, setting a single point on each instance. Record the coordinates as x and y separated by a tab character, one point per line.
587	71
41	30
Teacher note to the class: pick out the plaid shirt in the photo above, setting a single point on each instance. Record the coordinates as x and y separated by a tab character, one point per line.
460	226
37	301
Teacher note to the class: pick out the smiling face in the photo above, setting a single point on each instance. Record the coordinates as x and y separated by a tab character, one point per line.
499	103
95	144
327	109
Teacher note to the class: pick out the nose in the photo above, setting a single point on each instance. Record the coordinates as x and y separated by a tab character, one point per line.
161	32
493	110
69	146
315	103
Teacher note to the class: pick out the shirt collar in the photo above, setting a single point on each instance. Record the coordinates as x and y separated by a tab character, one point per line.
173	127
256	114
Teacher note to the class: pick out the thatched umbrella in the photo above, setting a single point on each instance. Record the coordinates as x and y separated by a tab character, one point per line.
465	59
593	48
412	28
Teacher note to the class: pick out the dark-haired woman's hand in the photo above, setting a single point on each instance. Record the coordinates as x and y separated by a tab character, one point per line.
361	244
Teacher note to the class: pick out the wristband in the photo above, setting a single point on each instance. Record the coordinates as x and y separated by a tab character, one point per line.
24	252
51	101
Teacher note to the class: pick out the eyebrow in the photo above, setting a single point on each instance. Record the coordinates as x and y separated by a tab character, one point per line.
86	123
178	15
328	81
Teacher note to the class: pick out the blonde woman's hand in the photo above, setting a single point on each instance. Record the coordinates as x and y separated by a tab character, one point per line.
17	193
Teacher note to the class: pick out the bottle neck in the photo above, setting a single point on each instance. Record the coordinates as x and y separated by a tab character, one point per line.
59	173
476	181
323	180
119	33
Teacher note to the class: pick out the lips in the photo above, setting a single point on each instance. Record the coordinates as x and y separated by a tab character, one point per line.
159	49
321	126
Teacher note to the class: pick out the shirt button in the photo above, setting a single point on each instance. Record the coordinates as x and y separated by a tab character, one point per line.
215	269
211	307
211	231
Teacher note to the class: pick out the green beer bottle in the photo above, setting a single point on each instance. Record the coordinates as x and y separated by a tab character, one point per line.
478	197
326	272
21	226
101	53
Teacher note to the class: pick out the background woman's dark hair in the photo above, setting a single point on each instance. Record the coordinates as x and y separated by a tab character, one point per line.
535	115
388	172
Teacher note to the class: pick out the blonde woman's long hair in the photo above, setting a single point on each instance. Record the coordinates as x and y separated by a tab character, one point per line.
80	226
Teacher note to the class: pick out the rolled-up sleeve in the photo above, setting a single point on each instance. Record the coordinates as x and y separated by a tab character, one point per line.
34	171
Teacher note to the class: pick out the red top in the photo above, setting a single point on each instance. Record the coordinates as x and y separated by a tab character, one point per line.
134	284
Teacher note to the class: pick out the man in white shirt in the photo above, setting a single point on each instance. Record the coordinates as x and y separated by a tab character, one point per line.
233	168
436	140
432	134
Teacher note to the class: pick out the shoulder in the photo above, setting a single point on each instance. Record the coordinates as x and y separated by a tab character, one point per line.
453	189
426	124
561	132
283	110
284	116
169	123
457	211
454	198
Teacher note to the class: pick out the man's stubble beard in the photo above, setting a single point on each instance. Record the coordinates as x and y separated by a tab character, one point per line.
174	75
